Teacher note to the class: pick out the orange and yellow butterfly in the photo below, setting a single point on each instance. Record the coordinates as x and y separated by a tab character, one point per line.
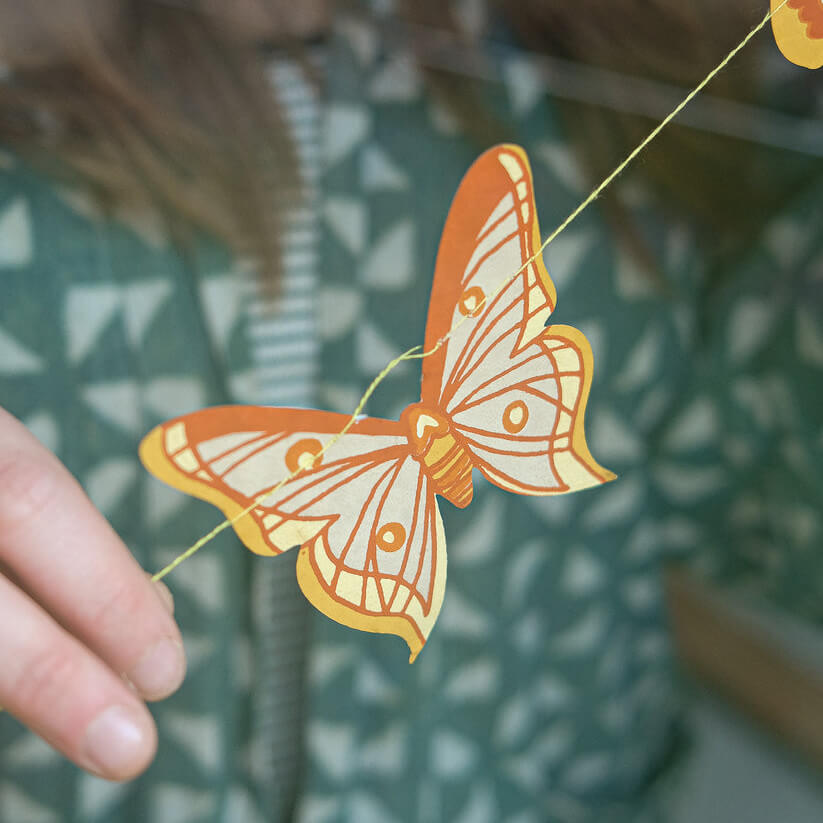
504	395
798	31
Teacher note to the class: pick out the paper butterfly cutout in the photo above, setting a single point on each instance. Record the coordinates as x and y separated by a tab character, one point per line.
798	31
504	395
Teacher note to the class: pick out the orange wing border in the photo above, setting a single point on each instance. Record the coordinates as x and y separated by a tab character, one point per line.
481	187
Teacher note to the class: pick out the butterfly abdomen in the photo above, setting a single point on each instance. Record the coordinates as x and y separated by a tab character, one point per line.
443	457
450	470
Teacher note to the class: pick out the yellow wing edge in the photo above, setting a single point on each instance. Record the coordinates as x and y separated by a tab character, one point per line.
154	458
317	595
578	433
536	239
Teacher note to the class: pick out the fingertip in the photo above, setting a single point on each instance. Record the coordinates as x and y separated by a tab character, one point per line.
120	742
160	671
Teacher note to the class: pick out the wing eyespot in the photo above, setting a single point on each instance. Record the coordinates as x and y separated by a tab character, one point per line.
471	301
515	416
391	537
303	454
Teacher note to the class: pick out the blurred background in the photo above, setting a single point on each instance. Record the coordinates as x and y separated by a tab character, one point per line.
205	202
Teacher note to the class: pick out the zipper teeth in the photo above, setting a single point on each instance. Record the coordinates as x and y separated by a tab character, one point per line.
284	353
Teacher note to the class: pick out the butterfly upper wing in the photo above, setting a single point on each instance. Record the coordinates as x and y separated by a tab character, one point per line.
231	455
351	567
515	390
490	231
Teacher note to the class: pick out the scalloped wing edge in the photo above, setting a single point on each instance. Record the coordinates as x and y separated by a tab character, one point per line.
154	458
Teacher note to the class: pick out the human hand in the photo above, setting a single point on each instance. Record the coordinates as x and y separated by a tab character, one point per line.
84	632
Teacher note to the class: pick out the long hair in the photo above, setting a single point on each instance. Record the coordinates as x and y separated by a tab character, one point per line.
159	106
165	107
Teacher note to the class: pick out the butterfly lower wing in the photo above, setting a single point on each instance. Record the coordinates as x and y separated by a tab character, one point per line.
232	455
490	234
523	422
384	571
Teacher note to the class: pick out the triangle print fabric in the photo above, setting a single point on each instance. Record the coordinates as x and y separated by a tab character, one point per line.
504	394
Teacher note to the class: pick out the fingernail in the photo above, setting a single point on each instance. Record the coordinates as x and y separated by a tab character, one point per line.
160	671
118	742
165	595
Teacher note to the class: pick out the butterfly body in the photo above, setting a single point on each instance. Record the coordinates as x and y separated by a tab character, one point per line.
442	456
502	393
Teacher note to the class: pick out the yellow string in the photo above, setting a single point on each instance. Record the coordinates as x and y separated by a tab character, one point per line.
415	352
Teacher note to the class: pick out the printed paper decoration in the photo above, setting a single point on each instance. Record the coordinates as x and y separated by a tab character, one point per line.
502	393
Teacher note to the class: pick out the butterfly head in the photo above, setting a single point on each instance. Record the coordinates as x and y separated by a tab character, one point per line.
424	426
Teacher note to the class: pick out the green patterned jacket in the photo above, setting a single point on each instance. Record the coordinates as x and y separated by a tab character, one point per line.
547	691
